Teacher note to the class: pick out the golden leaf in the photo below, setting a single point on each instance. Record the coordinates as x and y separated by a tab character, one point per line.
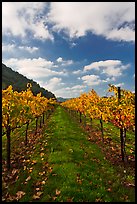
27	179
35	197
25	167
43	182
58	192
39	193
20	194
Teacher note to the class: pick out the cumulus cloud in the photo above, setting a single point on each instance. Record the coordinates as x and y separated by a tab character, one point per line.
119	84
75	88
34	68
59	59
91	80
112	71
19	18
112	68
13	47
73	44
64	62
79	71
70	92
97	65
113	20
109	79
125	34
53	84
29	49
59	88
62	92
8	47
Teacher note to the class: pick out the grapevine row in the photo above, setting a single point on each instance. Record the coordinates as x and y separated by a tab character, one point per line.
20	108
118	109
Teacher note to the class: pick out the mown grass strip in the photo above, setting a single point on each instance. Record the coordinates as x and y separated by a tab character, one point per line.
80	170
64	166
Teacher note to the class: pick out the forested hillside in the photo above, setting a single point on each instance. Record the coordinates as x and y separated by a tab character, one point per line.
19	82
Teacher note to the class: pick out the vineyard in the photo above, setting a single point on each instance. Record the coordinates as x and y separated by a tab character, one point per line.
20	109
34	134
119	110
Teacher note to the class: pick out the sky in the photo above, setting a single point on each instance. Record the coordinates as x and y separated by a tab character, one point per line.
70	48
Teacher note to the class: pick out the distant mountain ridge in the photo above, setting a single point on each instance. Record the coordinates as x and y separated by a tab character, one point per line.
60	99
19	82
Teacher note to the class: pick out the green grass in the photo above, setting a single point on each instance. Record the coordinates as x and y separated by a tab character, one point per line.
72	168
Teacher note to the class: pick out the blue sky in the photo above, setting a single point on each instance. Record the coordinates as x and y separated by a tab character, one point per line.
71	47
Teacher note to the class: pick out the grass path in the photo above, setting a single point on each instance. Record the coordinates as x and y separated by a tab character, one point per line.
80	171
66	167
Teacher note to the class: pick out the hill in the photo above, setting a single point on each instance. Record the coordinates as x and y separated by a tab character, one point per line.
19	82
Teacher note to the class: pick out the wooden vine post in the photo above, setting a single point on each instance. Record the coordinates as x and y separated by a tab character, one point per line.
101	123
40	122
26	135
36	125
43	118
8	131
122	133
80	119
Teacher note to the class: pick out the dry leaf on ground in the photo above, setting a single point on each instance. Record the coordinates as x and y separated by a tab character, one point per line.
27	179
58	192
20	194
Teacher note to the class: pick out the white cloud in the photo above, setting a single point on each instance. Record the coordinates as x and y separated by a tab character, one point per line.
112	68
69	92
59	88
119	84
13	48
113	20
62	92
29	49
108	79
97	65
53	84
76	88
112	71
34	68
91	80
125	34
64	62
20	17
59	59
115	71
79	71
73	44
8	47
